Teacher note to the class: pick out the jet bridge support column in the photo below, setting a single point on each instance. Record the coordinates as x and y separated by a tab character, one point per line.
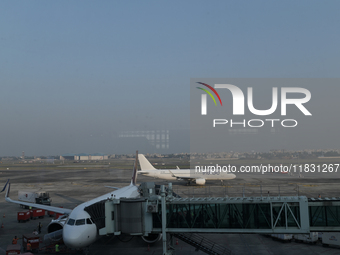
163	204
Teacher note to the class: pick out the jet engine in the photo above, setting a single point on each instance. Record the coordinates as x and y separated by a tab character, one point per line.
152	238
56	224
200	181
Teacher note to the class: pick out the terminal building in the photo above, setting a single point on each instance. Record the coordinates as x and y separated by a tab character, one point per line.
84	156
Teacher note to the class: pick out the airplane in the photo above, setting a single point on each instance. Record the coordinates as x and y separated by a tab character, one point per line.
79	229
188	175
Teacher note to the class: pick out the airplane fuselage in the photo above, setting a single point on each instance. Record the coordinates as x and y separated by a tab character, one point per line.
175	174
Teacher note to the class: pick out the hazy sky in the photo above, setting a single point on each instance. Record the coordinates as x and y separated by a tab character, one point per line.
75	74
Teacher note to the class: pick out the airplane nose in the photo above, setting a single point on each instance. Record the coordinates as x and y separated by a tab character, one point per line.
72	236
233	176
79	236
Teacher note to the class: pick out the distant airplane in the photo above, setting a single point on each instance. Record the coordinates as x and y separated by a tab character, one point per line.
79	229
188	175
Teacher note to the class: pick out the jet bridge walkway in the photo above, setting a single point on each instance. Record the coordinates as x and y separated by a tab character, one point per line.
324	214
163	213
251	215
265	215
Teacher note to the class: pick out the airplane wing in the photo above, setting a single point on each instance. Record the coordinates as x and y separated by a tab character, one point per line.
111	187
172	174
39	206
143	172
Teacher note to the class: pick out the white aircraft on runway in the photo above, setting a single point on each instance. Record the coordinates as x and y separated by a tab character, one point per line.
81	229
188	175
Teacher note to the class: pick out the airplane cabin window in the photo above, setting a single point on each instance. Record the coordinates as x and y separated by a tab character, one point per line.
80	222
88	221
71	222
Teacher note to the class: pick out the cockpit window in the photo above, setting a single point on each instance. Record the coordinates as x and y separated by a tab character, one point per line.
71	222
88	221
80	222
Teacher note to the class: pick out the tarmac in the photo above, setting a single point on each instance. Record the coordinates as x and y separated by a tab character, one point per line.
70	186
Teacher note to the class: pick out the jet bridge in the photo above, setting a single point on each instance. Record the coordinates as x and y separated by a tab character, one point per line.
163	213
265	215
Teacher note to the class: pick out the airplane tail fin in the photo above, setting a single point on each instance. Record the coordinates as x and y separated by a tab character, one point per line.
5	186
144	163
134	174
7	192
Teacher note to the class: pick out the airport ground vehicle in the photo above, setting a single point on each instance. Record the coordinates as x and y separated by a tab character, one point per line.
331	238
40	197
13	249
33	239
54	214
24	216
37	213
282	237
312	237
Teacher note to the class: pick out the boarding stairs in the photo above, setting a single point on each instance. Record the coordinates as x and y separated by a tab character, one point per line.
202	243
